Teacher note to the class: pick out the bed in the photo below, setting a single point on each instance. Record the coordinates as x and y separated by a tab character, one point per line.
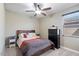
32	46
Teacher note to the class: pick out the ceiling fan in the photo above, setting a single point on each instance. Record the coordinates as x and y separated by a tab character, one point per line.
38	9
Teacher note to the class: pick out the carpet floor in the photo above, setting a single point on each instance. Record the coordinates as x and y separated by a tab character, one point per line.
56	52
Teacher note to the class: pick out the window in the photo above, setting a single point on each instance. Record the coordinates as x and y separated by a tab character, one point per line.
71	24
71	20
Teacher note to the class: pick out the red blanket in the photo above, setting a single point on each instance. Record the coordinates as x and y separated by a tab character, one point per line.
24	43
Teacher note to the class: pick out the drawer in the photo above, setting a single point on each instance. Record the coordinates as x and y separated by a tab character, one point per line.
12	40
12	45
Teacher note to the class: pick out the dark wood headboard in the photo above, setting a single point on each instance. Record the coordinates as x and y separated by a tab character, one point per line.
23	31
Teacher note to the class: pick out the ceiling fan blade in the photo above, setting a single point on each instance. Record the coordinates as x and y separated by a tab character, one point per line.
46	9
35	5
39	7
43	14
29	11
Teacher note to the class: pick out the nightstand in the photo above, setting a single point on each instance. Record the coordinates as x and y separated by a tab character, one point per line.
11	41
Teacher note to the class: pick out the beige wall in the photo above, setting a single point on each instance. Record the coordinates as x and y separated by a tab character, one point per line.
2	29
15	21
47	22
71	42
58	20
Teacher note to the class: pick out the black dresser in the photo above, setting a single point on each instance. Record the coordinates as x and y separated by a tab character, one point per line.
54	36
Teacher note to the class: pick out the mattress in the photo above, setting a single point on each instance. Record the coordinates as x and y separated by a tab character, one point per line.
29	47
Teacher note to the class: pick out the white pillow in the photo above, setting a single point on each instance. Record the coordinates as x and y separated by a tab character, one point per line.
30	35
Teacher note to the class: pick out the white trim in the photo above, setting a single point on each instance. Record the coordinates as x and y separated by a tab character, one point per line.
72	50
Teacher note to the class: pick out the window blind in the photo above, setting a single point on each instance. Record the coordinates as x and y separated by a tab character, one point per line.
71	20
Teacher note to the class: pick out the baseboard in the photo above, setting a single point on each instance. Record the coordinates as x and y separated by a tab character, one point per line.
72	50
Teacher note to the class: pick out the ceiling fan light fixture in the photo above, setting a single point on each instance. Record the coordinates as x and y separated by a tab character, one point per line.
38	12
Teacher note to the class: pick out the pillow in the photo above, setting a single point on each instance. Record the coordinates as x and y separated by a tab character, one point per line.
22	35
30	35
36	37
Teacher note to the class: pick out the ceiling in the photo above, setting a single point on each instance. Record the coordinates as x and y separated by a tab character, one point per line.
21	7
